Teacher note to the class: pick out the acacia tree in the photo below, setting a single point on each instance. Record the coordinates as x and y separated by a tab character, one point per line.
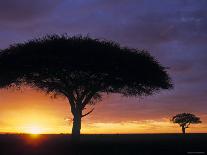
81	69
185	119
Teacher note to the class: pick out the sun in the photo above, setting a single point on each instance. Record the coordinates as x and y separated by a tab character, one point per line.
34	130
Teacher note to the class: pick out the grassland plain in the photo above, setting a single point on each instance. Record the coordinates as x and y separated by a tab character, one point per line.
103	144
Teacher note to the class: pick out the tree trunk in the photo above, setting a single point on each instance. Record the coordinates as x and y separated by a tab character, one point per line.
76	126
77	104
183	129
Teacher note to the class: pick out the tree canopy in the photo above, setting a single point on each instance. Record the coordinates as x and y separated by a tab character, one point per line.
186	119
81	63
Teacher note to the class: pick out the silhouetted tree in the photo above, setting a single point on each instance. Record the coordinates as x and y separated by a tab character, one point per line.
81	68
185	119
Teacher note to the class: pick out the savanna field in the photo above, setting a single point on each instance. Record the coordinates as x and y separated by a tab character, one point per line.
135	144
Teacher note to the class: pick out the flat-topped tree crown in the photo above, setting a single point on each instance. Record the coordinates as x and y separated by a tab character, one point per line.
81	68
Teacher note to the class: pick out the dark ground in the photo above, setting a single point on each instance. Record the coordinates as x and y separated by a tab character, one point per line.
143	144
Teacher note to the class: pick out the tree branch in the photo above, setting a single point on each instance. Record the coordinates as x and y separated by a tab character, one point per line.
187	125
83	95
87	99
88	113
71	101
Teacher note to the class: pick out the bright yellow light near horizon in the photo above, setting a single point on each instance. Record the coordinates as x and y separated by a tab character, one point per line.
34	130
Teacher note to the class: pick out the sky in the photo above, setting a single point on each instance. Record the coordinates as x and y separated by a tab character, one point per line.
174	32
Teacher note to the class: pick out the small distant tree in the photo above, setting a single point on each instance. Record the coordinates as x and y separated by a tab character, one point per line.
185	119
81	69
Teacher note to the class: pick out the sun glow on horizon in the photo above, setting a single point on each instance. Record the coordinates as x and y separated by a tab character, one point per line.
34	130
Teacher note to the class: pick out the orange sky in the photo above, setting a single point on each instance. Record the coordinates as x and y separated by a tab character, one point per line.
30	111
